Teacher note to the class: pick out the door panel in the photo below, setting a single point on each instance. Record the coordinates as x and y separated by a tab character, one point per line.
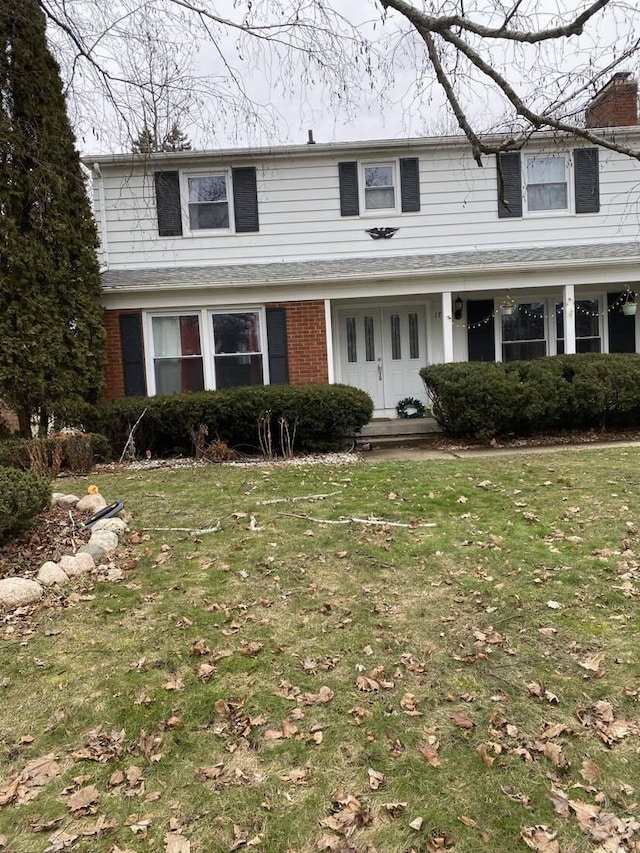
404	354
382	350
361	354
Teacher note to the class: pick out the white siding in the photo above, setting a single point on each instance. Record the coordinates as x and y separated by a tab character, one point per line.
299	212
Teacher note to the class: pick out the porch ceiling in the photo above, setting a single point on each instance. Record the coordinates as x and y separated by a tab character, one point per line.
372	267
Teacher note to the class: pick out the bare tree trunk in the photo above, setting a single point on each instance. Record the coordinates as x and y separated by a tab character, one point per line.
24	423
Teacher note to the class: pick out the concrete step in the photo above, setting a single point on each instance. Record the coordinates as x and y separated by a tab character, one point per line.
399	428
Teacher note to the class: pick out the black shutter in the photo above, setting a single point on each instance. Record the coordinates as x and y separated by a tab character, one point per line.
622	328
410	184
481	339
348	177
131	345
509	185
587	180
277	346
245	199
168	204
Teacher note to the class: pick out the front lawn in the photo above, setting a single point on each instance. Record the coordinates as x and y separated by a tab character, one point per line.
287	684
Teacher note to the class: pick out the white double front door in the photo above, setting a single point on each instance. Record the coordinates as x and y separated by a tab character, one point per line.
382	351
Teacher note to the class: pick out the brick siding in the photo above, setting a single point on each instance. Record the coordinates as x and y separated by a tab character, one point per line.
306	341
114	377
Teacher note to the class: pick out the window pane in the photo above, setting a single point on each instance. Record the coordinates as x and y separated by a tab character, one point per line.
208	188
166	337
588	345
174	375
233	370
352	351
369	340
381	199
547	197
396	345
587	319
214	215
525	324
190	336
546	170
414	340
236	333
378	176
522	351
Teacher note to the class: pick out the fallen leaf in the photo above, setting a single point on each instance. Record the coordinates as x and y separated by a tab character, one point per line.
540	838
560	801
174	843
375	779
590	771
462	720
429	751
593	663
174	683
84	798
416	823
395	810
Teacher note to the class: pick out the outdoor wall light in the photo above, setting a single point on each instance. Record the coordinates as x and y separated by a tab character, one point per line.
457	308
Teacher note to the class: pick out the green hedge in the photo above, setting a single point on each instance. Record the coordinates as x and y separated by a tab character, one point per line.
23	494
322	416
586	391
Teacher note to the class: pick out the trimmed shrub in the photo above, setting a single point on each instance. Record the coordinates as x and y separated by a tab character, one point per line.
584	391
23	494
48	456
322	416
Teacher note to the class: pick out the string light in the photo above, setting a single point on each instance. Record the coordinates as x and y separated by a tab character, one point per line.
520	310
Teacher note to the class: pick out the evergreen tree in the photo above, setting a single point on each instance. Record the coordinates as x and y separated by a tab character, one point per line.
176	140
147	141
51	322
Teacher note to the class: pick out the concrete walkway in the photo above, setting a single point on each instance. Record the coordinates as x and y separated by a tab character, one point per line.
420	454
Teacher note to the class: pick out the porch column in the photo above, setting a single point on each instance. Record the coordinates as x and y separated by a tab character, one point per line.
569	304
447	327
331	371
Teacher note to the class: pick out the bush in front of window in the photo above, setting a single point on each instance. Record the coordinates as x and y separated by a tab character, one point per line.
481	400
322	414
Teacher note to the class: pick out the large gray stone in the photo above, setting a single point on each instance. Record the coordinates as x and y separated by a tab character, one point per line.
15	592
115	525
106	539
91	503
67	501
75	566
50	574
94	550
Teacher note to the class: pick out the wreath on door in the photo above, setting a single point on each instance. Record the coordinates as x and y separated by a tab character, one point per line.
411	407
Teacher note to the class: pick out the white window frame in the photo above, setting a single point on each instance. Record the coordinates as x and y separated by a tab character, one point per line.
568	172
378	211
205	319
262	331
184	192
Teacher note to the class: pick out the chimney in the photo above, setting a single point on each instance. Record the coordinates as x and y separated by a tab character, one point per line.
616	104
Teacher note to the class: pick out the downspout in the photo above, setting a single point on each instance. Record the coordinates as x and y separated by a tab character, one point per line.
104	242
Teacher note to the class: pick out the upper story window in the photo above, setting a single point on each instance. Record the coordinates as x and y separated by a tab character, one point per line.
208	201
560	182
373	187
379	187
546	182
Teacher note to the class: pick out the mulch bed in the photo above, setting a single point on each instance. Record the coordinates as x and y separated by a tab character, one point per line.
52	535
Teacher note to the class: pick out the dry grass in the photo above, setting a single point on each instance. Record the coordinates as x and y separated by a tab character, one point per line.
290	685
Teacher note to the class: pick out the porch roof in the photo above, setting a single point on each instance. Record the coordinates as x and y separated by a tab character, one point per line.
366	268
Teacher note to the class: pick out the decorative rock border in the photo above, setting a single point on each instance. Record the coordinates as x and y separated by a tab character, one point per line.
104	539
